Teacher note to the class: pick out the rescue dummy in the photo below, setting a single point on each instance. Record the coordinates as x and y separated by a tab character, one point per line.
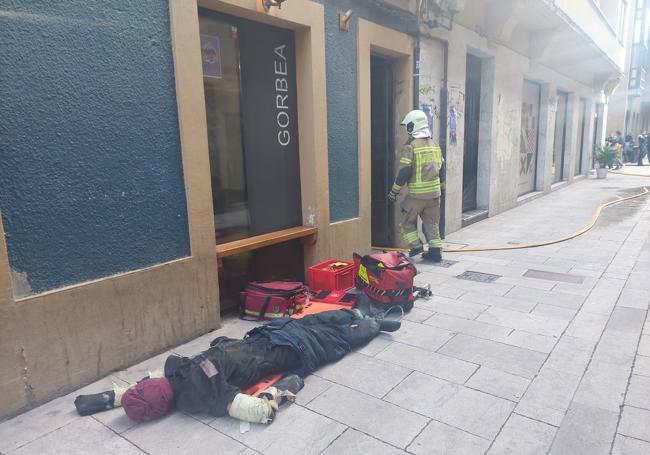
421	167
212	381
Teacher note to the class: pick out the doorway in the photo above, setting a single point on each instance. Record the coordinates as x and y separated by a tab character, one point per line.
529	137
382	156
472	119
582	127
559	142
249	80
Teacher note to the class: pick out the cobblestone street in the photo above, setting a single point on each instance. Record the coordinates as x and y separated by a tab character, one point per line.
552	356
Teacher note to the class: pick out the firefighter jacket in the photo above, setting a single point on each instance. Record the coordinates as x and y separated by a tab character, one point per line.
420	166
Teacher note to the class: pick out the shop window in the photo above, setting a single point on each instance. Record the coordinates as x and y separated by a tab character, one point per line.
251	111
250	94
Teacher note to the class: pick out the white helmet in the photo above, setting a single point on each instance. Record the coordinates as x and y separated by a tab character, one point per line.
415	121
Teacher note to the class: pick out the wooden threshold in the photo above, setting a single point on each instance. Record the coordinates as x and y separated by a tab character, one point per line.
260	241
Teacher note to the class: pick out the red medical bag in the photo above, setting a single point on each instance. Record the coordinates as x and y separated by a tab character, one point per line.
386	277
273	299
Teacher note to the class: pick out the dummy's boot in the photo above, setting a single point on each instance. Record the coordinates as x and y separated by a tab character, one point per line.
90	404
416	250
290	383
389	325
433	255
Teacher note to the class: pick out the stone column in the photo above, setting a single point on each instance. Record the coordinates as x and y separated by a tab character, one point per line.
457	52
571	143
590	126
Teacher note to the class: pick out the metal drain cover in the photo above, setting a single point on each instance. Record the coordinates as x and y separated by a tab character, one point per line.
446	263
478	276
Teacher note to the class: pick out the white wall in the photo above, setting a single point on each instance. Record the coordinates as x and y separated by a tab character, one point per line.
601	26
504	72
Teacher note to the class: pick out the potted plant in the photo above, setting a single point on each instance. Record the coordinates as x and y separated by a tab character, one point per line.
605	157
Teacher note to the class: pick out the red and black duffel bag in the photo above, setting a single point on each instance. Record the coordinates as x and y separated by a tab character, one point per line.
272	299
386	278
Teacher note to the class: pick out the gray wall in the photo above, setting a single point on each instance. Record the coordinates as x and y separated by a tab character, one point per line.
91	182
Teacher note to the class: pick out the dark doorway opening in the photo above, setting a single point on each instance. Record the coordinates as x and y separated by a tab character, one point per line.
382	71
472	118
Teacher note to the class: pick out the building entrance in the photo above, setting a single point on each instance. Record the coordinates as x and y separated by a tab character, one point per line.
249	79
472	119
529	137
382	133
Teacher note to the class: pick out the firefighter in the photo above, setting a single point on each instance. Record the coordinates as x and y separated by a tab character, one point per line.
421	167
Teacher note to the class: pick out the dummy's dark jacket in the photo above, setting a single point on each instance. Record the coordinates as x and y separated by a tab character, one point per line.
319	338
208	382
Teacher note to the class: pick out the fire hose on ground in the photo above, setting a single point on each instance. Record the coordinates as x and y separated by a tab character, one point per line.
577	233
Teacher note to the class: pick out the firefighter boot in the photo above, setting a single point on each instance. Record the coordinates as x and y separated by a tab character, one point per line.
416	250
433	255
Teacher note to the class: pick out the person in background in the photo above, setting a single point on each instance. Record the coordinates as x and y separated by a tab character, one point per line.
421	169
643	147
643	150
619	142
628	148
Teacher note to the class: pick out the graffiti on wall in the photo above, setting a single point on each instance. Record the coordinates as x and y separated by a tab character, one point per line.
427	111
430	105
528	139
453	122
457	99
456	108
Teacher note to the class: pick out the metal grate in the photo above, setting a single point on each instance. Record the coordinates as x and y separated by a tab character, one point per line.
478	276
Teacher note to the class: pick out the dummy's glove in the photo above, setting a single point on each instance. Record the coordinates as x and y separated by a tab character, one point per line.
252	409
392	196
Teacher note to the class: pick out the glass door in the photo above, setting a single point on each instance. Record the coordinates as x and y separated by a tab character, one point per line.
222	86
249	78
529	137
472	119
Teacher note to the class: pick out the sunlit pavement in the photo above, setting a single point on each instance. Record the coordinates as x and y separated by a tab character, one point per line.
548	353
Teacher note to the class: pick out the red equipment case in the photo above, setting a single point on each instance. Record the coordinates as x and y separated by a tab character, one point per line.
324	276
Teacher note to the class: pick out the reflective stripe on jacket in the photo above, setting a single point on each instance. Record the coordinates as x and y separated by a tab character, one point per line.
425	160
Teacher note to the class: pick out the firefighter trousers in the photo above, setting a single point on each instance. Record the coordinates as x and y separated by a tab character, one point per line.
429	211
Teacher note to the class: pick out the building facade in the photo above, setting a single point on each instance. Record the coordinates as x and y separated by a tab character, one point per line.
523	86
629	107
158	155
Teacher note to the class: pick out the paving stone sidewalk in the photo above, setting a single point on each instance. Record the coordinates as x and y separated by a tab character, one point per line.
553	357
